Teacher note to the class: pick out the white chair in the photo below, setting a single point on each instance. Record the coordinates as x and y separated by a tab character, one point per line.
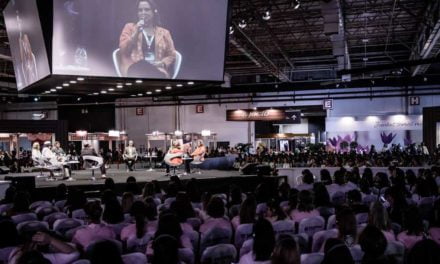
116	63
320	237
94	162
311	225
79	214
313	258
219	254
4	254
4	208
17	219
44	211
35	205
61	226
167	159
284	227
50	219
215	236
45	165
246	247
243	232
186	255
135	244
195	222
32	226
356	253
138	258
60	204
331	222
261	209
362	218
396	250
196	163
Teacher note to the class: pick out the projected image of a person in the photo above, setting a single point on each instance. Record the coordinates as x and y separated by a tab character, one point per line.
28	65
146	49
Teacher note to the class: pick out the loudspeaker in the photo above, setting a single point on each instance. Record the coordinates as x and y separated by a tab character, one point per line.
23	183
4	170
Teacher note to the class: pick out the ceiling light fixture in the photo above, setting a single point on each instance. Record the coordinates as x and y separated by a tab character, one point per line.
73	81
59	87
128	84
168	88
138	81
139	94
179	85
242	24
158	90
231	30
111	89
80	79
149	92
119	86
66	84
103	92
95	93
266	16
53	90
190	83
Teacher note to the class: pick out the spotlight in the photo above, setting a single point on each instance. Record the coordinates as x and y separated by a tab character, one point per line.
95	93
296	4
53	90
168	87
190	83
78	99
103	92
179	85
36	99
80	79
138	81
128	84
149	92
139	94
266	16
111	89
158	90
66	84
231	30
119	86
242	24
73	81
59	87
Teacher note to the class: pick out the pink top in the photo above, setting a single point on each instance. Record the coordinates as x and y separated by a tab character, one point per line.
130	230
434	232
297	216
85	236
408	240
235	222
186	227
210	223
389	235
55	258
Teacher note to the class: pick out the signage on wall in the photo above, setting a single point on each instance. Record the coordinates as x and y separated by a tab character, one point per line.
200	109
414	100
292	117
327	104
139	111
255	115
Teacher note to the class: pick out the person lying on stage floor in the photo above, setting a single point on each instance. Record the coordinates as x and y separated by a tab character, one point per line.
88	151
130	155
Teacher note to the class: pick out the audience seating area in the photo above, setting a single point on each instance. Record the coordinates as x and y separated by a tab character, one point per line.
348	217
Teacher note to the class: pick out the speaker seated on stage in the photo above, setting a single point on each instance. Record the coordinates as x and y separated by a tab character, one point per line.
173	158
130	155
199	153
40	160
89	151
54	159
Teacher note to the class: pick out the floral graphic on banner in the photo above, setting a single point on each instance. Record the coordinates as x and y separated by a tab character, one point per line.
387	139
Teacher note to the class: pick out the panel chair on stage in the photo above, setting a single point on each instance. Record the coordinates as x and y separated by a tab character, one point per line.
117	62
93	163
174	156
43	165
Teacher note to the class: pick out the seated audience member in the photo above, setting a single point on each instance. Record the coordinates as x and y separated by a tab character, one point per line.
274	212
434	231
105	252
109	184
322	201
413	228
215	216
347	226
127	201
132	186
378	217
305	207
165	250
141	225
340	184
397	204
95	230
169	225
76	199
307	179
425	251
286	251
113	216
263	244
41	242
373	244
326	178
21	204
335	251
354	198
9	195
183	209
247	213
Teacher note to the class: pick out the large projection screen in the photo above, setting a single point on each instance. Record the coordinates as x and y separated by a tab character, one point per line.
162	39
26	40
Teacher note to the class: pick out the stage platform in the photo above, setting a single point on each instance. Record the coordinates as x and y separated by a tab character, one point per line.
83	177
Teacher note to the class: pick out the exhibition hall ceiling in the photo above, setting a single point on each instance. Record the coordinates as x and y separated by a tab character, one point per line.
294	45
